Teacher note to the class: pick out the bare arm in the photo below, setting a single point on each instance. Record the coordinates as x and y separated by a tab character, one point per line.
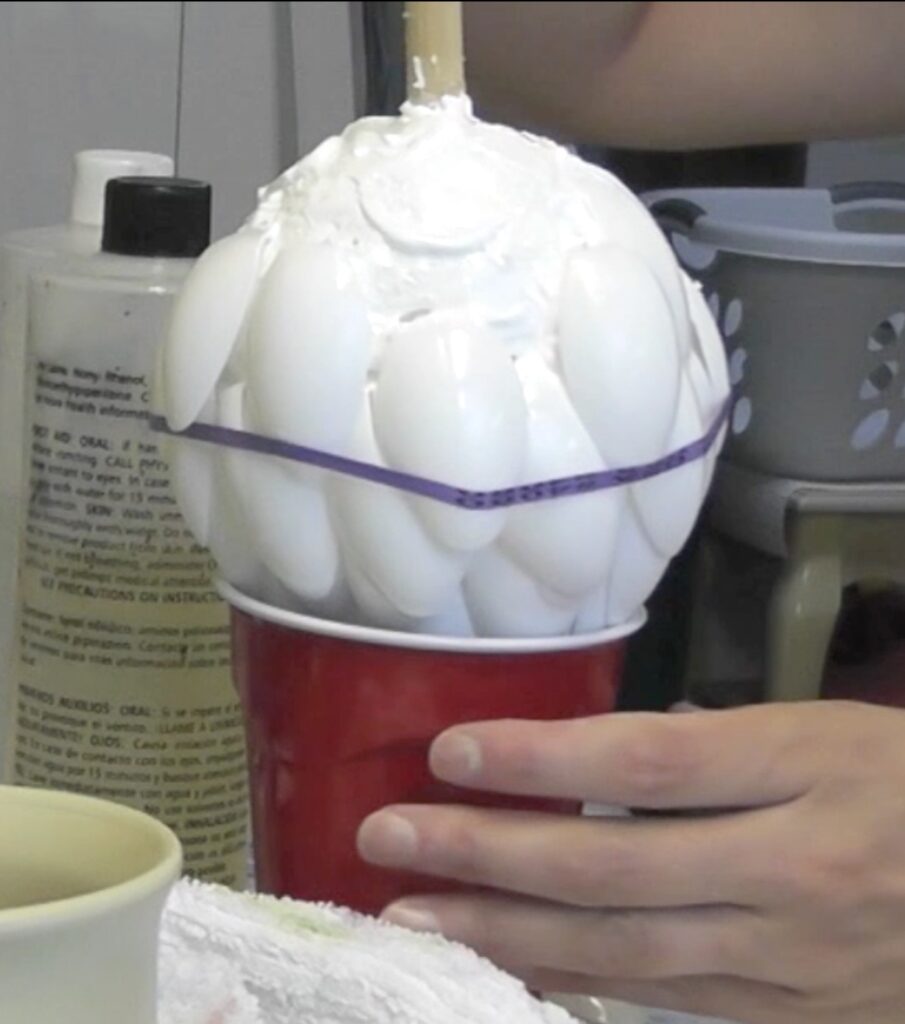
687	75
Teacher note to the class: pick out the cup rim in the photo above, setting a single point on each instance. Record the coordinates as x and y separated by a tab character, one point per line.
158	878
301	623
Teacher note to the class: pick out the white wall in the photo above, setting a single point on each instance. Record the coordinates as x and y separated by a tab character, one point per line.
261	84
235	91
74	76
231	119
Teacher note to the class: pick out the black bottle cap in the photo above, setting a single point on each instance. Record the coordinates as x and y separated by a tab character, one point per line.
157	217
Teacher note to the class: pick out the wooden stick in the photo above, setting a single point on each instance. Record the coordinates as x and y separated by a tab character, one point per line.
434	59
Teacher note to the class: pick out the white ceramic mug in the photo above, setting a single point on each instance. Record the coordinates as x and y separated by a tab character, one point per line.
82	887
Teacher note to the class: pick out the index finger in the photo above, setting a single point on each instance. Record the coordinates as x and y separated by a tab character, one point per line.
713	759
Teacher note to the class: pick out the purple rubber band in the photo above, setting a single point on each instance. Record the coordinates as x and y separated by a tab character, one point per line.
542	490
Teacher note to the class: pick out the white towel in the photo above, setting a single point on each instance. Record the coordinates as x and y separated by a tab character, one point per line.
229	958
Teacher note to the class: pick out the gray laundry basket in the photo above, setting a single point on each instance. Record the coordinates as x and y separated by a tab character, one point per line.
808	288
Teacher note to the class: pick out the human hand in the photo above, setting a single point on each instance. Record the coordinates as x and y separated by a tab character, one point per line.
784	904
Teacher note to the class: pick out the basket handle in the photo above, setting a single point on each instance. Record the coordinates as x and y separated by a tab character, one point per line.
862	191
677	214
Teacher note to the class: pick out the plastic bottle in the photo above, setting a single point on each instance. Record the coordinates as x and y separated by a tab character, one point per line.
124	686
21	252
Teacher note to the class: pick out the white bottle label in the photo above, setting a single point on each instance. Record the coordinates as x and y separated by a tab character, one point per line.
124	684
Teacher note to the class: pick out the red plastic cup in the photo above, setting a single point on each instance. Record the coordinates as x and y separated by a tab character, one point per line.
339	719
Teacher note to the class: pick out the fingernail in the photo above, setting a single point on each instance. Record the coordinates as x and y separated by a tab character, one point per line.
387	839
411	916
455	757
